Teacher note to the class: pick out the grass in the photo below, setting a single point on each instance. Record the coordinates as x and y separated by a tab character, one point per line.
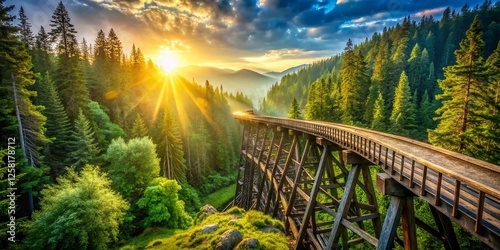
252	224
149	235
220	198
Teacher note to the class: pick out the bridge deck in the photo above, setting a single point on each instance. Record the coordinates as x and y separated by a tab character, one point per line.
465	189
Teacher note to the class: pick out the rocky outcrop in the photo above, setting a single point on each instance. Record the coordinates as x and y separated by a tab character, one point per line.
204	212
248	243
229	239
209	228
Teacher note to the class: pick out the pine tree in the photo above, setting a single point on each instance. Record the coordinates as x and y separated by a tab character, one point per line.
139	128
379	118
491	128
41	50
63	32
25	34
84	148
19	117
354	85
425	114
58	127
403	112
170	149
461	116
493	63
69	73
71	85
294	111
114	48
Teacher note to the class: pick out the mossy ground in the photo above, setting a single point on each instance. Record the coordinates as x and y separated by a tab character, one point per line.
252	224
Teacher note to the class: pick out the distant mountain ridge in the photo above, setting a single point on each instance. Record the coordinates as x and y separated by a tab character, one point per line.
286	72
251	83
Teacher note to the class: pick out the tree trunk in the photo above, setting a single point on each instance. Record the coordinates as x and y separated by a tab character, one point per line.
22	139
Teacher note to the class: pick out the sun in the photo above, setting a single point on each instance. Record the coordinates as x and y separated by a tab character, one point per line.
167	61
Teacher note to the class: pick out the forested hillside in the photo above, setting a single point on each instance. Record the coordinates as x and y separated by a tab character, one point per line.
432	80
135	133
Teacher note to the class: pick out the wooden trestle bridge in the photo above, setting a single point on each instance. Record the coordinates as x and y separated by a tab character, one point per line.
316	177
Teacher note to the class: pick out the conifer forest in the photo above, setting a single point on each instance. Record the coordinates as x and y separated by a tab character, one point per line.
103	148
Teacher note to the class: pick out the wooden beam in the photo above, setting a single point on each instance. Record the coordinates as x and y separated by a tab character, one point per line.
388	186
263	180
314	192
391	223
445	227
408	221
351	157
275	165
344	205
284	174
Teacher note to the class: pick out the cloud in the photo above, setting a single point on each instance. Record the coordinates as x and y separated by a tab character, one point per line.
235	31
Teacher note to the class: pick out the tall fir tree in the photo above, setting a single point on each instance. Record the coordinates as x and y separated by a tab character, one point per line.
139	128
354	85
403	112
58	127
19	117
294	111
25	33
41	50
170	149
63	32
379	117
461	117
425	114
69	73
83	146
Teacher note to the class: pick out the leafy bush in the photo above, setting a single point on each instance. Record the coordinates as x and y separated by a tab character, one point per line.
162	205
80	211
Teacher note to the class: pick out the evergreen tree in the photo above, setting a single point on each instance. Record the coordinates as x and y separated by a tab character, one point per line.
294	111
170	149
320	104
25	34
493	63
69	74
370	104
19	117
354	85
379	118
425	114
63	32
462	114
105	130
114	48
71	85
403	112
139	128
58	127
41	50
491	128
84	148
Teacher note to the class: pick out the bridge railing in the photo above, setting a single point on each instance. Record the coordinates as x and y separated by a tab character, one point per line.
464	188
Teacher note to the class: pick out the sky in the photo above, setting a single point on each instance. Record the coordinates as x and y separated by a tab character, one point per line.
256	34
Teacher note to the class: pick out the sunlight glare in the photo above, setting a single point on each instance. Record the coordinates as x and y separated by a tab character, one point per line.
167	61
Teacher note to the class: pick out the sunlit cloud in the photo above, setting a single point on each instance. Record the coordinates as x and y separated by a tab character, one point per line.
240	32
430	12
275	55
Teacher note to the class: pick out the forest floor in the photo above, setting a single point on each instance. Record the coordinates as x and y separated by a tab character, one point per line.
219	199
